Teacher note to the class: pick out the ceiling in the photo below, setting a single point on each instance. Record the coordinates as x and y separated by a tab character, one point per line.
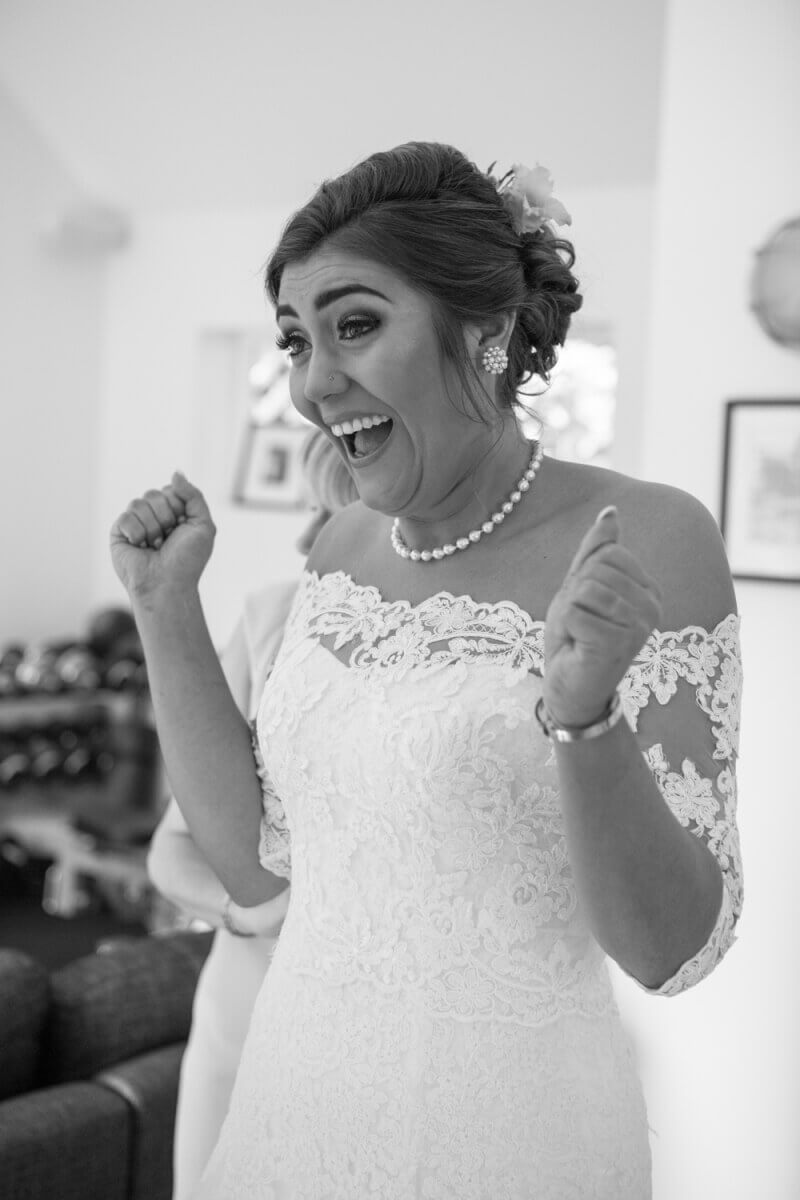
232	104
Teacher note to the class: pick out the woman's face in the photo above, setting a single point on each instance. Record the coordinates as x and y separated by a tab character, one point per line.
362	343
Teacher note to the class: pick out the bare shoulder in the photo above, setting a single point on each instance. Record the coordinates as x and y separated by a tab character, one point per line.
340	540
678	542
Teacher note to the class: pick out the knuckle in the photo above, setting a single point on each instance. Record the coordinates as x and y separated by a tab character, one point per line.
619	606
583	589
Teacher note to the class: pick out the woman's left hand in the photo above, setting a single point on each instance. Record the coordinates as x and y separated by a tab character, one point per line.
598	620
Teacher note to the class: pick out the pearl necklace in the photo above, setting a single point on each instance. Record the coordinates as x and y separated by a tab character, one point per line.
475	535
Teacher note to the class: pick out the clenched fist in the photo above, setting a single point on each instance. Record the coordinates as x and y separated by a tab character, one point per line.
163	540
599	619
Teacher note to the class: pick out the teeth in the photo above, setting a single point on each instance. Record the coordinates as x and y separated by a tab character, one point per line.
356	424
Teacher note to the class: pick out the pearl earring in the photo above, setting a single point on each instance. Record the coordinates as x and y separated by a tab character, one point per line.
495	360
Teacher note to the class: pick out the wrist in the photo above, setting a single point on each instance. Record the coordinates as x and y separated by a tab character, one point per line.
230	918
575	715
558	732
163	598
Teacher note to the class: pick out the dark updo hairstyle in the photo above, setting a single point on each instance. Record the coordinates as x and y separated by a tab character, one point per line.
430	215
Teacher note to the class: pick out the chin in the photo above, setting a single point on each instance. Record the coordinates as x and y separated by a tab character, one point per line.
376	503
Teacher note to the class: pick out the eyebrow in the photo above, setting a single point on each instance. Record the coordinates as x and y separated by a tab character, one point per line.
326	298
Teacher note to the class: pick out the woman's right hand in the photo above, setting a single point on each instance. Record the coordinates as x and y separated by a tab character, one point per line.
163	539
260	920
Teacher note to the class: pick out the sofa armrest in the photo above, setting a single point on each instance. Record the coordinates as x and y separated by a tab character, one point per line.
149	1085
134	996
72	1142
24	997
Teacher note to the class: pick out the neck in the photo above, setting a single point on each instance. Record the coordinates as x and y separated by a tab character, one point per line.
484	486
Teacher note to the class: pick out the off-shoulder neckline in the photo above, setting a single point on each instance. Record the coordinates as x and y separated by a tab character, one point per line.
484	606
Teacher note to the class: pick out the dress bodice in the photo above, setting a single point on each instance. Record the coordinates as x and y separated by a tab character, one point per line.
413	799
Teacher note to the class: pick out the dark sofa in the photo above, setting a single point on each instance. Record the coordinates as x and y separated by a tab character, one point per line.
89	1062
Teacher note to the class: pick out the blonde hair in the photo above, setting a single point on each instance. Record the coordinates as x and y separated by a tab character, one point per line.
326	473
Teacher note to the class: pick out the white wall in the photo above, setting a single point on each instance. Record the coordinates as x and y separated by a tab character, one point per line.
612	230
51	327
183	278
167	402
721	1063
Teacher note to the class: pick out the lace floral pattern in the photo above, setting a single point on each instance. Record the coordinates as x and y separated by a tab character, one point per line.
687	671
434	953
273	845
386	643
351	1094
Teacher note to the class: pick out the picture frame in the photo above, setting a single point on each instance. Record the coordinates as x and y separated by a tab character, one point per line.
269	473
760	503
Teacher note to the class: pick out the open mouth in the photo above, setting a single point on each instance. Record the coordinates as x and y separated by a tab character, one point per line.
367	443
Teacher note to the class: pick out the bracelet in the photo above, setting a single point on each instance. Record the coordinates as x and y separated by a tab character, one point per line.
228	921
566	733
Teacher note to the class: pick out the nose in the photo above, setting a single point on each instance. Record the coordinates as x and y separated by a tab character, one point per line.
323	378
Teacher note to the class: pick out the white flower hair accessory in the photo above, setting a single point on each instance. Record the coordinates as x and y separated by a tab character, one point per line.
528	195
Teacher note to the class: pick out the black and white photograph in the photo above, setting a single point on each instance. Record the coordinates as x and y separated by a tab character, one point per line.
270	471
399	564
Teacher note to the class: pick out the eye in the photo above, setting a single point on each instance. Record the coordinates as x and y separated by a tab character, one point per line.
352	327
293	343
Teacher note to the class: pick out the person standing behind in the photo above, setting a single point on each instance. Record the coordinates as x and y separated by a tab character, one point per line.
246	937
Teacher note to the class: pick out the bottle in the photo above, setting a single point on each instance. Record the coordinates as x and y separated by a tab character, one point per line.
9	660
77	755
123	663
96	741
46	756
78	668
36	670
15	762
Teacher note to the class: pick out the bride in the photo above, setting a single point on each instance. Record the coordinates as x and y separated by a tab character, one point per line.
498	741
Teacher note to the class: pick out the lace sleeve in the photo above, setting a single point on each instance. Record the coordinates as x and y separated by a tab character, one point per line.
274	851
682	698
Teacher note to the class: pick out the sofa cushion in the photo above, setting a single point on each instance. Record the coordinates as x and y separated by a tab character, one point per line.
133	997
72	1142
24	988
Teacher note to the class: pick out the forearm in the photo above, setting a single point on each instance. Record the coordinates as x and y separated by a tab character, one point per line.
181	874
205	742
651	889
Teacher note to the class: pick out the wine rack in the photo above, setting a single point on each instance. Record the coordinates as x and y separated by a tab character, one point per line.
81	779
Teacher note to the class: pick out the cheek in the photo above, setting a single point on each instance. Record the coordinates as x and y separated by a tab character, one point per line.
400	375
297	394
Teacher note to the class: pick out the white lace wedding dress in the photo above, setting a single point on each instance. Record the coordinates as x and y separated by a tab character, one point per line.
437	1021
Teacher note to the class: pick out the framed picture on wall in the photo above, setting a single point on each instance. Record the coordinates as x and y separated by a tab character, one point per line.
269	474
760	509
